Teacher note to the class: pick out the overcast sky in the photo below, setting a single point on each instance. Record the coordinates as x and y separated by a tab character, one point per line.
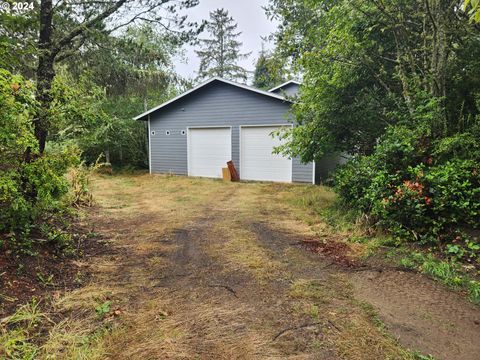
251	20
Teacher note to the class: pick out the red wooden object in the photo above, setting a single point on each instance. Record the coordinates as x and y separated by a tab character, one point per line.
233	171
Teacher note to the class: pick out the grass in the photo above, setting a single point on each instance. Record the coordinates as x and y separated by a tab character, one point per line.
449	273
30	333
140	214
18	329
243	251
321	290
317	206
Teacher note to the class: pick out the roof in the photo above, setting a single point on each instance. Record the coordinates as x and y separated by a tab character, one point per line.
198	87
289	82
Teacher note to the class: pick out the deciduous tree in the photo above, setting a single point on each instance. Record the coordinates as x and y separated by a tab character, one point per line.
66	26
369	65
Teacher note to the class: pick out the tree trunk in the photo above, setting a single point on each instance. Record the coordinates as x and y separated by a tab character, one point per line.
439	14
45	73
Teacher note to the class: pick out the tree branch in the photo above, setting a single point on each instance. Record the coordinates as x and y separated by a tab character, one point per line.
78	30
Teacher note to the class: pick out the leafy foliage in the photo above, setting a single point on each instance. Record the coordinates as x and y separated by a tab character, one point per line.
396	85
473	7
411	192
32	186
90	78
116	86
370	65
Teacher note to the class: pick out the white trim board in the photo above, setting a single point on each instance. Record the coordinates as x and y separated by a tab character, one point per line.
242	86
149	148
313	171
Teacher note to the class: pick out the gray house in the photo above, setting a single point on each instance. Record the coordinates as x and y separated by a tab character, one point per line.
197	132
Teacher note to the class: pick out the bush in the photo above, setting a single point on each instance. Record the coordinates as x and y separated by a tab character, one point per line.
411	190
32	185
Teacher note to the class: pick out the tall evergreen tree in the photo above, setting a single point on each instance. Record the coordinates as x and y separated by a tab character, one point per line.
269	71
220	53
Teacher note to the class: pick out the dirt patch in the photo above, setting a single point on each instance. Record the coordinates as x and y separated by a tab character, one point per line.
337	251
24	277
422	313
203	307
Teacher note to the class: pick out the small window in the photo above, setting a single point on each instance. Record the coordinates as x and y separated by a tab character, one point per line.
153	133
167	132
183	132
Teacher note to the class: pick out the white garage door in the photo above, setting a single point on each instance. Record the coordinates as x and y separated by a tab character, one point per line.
257	159
209	149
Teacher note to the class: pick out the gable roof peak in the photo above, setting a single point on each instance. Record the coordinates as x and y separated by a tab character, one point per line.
284	84
201	85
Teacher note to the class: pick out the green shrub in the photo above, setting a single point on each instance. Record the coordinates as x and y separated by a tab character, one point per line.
353	180
415	194
32	185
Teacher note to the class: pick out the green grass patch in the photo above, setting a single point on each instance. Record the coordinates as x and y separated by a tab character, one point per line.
17	331
450	272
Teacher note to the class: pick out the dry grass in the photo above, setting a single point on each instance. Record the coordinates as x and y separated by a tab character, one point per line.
359	339
355	332
240	250
184	319
175	330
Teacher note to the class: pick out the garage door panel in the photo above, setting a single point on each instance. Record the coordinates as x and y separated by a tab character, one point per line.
209	149
258	162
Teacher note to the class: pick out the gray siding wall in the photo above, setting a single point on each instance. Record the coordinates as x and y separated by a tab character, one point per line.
302	172
325	167
217	104
288	90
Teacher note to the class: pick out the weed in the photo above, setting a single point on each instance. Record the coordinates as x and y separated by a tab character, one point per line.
46	280
28	315
103	309
442	270
17	330
418	356
474	291
80	177
407	263
20	269
15	344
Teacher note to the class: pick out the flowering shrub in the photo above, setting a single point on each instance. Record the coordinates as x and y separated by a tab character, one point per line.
411	193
